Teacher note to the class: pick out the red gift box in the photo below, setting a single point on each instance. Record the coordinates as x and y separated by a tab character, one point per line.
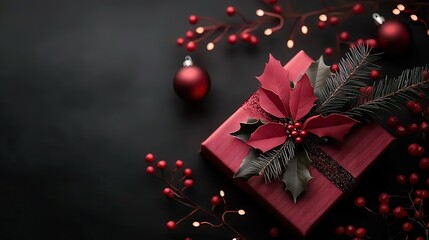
356	153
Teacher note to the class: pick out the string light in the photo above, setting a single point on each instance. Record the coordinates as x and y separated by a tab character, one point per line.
210	46
396	11
222	193
199	30
241	212
414	17
260	12
323	18
304	29
427	32
196	224
401	7
290	43
268	31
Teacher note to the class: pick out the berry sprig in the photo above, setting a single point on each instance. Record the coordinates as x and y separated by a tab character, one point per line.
274	18
351	231
177	182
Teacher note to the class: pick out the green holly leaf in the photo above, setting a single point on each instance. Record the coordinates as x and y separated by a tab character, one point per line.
247	128
250	165
318	72
296	175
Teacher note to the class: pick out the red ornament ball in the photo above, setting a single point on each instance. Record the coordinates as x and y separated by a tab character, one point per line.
161	164
150	158
179	164
187	172
166	192
394	37
360	201
188	183
191	83
150	170
191	46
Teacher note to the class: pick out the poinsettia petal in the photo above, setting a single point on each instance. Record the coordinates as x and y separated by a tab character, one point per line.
268	136
333	125
275	79
272	104
301	98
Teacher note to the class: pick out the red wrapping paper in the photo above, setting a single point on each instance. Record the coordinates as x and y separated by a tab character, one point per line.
355	153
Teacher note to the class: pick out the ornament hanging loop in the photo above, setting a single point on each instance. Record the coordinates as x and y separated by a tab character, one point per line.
378	18
188	61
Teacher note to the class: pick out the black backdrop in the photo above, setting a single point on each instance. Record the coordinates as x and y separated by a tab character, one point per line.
86	91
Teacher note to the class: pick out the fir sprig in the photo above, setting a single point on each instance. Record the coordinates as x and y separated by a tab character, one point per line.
388	94
343	86
275	161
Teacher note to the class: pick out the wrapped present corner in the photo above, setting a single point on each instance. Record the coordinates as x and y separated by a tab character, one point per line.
334	166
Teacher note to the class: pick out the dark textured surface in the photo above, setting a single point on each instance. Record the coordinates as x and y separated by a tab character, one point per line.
86	91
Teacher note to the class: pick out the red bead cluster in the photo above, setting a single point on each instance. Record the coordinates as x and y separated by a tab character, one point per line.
294	131
422	126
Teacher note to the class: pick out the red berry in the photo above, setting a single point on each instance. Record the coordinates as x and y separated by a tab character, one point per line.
424	194
167	192
344	36
384	208
358	8
413	127
179	164
230	11
328	51
278	9
290	127
350	230
171	225
188	182
417	109
150	158
187	172
411	104
393	121
272	2
232	39
407	227
298	140
294	134
360	232
401	131
215	200
274	232
413	178
334	21
150	170
321	25
245	36
384	198
360	41
374	75
191	46
180	41
424	126
401	179
190	34
339	230
298	125
416	150
424	163
399	212
161	164
303	133
418	201
334	68
371	42
254	40
193	19
360	201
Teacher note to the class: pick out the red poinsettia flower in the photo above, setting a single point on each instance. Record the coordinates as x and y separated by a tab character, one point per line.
280	99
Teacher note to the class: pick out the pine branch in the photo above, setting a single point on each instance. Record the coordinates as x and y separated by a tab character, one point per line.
274	162
389	94
343	86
